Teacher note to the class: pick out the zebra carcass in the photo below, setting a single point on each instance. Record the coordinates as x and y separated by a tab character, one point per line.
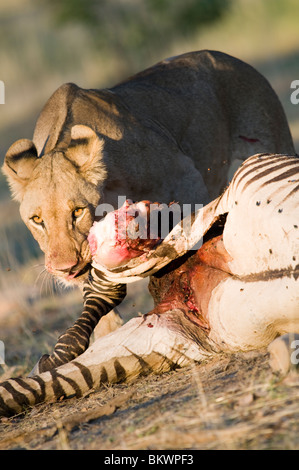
224	279
241	286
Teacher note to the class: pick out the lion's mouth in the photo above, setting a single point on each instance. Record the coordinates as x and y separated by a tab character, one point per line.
75	275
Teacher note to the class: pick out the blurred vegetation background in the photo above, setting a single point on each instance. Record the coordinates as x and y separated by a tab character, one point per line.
95	43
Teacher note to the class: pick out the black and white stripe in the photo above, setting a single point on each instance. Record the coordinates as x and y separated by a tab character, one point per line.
263	170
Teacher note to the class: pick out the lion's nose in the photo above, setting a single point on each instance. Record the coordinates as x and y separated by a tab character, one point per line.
56	263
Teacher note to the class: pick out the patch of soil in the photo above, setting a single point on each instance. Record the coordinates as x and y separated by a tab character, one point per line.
230	402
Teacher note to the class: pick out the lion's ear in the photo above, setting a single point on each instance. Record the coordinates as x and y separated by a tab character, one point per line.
86	151
19	163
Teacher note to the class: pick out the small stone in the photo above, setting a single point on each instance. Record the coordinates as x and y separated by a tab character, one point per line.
246	399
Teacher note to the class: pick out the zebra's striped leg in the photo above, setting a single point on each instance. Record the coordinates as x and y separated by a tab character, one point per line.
100	297
149	344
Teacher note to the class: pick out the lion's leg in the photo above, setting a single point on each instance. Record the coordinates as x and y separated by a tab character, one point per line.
108	323
149	344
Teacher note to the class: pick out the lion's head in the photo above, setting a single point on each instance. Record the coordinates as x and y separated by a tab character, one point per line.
58	195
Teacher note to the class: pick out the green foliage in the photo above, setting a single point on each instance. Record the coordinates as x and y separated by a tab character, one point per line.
189	15
81	11
137	24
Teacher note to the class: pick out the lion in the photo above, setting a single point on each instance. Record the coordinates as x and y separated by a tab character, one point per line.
173	132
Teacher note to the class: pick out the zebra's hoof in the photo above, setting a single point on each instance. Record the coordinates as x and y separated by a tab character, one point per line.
284	353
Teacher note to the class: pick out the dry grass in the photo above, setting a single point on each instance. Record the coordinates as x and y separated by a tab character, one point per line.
228	403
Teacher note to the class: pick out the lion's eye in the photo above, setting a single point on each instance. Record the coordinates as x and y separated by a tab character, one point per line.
78	212
37	220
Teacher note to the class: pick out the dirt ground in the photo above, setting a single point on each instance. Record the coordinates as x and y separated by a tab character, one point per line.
230	402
